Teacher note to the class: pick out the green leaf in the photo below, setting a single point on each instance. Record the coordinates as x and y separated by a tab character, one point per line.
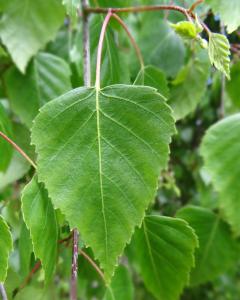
232	86
25	251
6	150
105	150
217	251
186	29
5	248
219	52
47	77
162	48
229	12
26	26
121	287
164	249
40	219
189	86
220	149
154	77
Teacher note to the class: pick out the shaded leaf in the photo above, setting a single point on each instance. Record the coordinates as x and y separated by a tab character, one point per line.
25	251
46	78
232	86
220	149
229	12
40	219
26	26
121	287
164	253
217	251
105	152
189	86
5	248
154	77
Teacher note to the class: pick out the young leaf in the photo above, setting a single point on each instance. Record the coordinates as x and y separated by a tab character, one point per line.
229	12
189	86
105	149
219	52
46	78
26	26
121	287
5	248
154	77
6	150
186	29
40	219
217	251
220	149
164	249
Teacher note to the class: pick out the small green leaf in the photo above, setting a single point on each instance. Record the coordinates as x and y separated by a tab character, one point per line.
164	253
186	29
40	219
105	150
5	248
220	149
26	26
6	150
219	52
154	77
217	251
121	287
46	78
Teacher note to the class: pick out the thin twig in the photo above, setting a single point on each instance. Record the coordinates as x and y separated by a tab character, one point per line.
223	85
137	49
95	266
16	147
135	9
73	289
36	267
3	292
194	5
100	46
86	46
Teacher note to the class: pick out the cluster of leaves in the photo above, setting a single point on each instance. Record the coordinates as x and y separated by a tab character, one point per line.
160	221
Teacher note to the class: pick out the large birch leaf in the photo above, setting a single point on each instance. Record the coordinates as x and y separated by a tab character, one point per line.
100	153
164	253
220	149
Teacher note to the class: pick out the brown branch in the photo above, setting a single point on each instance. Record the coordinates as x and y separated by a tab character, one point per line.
73	283
86	45
16	147
36	267
95	266
194	5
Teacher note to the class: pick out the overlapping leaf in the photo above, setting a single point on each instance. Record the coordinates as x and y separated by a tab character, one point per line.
40	219
229	12
217	251
105	149
26	26
121	287
220	149
5	248
164	254
47	77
